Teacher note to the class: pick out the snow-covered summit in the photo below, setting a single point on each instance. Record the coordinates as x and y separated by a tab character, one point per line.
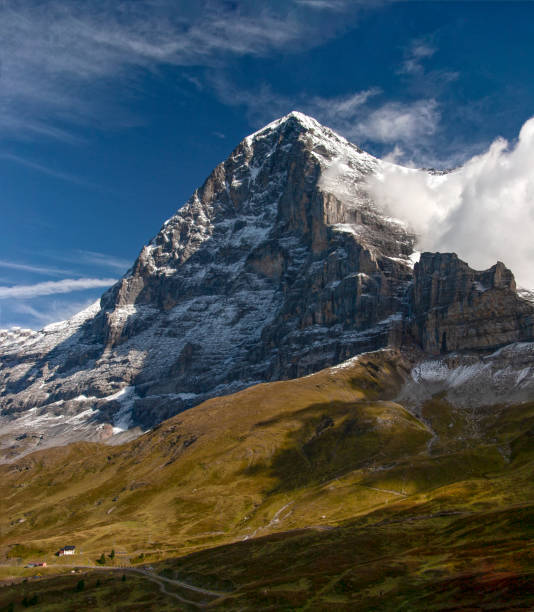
279	265
305	121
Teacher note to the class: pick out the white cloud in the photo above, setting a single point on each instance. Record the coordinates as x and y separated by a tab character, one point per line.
81	257
420	79
52	287
50	313
63	176
103	260
399	123
59	60
483	211
324	5
409	126
418	51
50	271
343	108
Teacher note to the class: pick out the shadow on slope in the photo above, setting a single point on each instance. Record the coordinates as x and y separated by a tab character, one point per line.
338	437
456	560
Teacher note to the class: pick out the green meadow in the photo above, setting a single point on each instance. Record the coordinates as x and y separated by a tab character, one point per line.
317	493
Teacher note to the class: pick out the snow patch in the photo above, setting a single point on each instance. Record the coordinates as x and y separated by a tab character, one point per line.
122	421
438	372
414	258
480	287
345	364
347	228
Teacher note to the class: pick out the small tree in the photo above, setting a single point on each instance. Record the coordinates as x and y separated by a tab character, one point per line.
81	585
102	560
112	554
124	577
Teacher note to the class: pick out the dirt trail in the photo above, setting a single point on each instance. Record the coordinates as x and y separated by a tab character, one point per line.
161	581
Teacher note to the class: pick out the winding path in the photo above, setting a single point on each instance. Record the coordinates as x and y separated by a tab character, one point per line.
161	581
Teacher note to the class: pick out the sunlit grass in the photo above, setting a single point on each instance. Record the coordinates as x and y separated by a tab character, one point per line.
332	452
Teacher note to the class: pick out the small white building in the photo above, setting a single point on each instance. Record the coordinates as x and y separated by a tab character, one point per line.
67	550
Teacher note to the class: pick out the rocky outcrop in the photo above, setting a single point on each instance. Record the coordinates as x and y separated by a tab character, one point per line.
456	308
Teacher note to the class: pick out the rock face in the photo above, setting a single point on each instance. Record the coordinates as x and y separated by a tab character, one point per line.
265	273
279	265
455	308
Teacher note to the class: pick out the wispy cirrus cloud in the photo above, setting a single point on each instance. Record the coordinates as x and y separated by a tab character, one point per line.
417	76
75	258
361	116
66	285
58	58
414	55
403	130
341	108
47	270
58	174
57	310
82	258
324	5
61	62
103	260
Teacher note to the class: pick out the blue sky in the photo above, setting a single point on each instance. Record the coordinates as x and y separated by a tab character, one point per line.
112	112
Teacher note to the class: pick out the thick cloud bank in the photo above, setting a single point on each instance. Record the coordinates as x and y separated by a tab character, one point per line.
483	211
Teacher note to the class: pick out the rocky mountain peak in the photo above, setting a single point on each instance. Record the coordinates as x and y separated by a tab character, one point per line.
279	265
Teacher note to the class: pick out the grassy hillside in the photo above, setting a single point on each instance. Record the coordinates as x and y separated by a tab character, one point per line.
86	591
415	559
372	482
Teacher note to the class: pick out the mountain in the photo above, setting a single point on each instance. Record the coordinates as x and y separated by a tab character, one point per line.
330	420
280	265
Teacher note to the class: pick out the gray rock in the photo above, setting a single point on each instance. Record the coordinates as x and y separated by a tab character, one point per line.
456	308
278	266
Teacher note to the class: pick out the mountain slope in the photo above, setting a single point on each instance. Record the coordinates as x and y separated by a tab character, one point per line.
279	265
353	467
323	448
